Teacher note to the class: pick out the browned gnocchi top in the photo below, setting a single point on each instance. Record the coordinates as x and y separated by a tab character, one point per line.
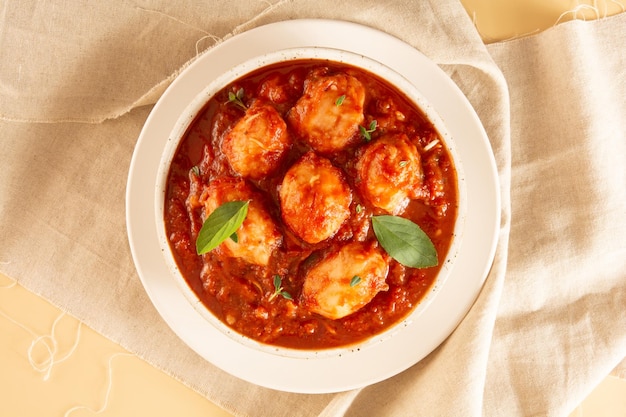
317	148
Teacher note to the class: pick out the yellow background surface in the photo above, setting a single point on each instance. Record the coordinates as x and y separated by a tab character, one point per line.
53	365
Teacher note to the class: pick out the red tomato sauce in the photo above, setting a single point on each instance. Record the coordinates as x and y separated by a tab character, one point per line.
239	293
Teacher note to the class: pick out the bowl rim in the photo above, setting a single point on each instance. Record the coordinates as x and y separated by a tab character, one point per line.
357	369
189	115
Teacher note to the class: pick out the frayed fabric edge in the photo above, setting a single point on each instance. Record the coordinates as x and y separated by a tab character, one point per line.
154	93
149	98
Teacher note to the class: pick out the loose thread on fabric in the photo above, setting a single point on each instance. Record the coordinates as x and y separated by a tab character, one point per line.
107	394
576	13
207	35
594	7
11	285
49	344
47	365
270	7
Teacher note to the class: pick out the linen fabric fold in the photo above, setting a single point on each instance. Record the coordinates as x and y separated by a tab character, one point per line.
561	315
80	83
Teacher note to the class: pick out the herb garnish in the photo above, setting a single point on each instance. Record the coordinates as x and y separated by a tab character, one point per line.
279	290
340	100
366	133
405	241
237	99
355	280
220	225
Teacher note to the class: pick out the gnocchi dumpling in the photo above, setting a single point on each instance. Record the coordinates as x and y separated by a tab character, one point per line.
257	143
314	198
389	173
259	235
329	113
345	281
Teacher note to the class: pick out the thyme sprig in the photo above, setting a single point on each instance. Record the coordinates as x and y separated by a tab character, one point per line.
237	99
367	132
279	290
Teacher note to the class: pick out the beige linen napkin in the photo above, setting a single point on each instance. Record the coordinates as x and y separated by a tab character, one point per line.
561	325
76	85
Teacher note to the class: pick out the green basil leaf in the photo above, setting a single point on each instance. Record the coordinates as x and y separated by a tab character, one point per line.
220	225
405	241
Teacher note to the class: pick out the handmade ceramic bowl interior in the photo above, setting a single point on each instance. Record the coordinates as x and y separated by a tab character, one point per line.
189	115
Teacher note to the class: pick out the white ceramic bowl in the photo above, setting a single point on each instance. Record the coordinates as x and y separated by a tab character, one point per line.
384	356
334	55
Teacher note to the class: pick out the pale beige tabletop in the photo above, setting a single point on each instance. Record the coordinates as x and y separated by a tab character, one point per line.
53	365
